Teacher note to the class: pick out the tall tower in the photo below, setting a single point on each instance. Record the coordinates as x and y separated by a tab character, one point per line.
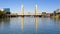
36	10
22	9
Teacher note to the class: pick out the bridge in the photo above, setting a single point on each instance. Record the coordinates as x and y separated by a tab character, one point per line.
30	14
35	13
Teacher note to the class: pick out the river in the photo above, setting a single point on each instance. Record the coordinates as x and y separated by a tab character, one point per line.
29	25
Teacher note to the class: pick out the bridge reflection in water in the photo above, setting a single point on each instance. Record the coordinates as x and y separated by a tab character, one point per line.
22	24
29	25
36	23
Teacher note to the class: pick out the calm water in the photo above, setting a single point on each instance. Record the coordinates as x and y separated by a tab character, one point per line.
29	25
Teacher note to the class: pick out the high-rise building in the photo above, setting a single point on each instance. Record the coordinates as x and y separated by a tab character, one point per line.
7	10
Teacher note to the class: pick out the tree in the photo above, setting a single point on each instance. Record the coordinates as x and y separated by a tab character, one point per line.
54	13
2	13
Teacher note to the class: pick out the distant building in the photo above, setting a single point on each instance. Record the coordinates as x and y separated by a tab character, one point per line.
57	11
43	13
48	14
7	10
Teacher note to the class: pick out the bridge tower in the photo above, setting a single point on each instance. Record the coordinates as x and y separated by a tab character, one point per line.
36	10
22	10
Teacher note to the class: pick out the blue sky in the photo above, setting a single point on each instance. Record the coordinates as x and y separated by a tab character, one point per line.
29	5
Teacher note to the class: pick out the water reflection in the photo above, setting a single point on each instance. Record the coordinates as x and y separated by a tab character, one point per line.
22	24
4	21
4	25
36	23
29	25
57	21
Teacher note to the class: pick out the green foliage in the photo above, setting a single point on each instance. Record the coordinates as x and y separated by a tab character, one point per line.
2	12
55	13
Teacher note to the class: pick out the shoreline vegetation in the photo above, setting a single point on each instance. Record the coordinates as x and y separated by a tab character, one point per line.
3	14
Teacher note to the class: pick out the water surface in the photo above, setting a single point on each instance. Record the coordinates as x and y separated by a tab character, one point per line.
29	25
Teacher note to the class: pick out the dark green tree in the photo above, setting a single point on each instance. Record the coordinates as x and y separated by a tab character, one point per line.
54	13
